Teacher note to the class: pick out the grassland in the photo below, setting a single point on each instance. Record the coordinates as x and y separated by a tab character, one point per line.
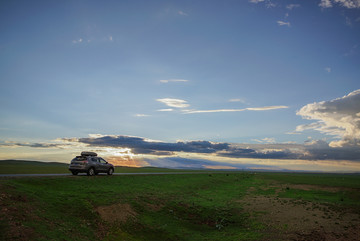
38	167
216	206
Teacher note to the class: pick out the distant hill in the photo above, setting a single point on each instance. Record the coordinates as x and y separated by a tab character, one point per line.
28	162
31	167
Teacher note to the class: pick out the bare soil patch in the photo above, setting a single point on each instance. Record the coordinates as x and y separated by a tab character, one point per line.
116	213
308	187
289	219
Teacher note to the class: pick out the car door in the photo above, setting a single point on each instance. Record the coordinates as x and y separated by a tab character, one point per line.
104	164
96	163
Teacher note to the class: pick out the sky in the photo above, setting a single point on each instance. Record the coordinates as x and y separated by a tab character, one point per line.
232	84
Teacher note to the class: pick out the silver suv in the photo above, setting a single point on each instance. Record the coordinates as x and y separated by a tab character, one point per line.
91	164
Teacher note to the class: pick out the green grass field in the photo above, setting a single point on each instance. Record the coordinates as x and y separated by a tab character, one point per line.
216	206
159	207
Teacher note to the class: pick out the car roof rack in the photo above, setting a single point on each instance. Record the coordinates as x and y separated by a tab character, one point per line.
88	153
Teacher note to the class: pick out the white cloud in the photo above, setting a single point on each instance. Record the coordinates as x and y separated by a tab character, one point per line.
111	38
182	13
235	110
343	3
268	3
80	40
282	23
212	111
348	21
314	126
177	103
268	108
173	80
257	1
237	100
292	133
325	4
165	110
265	140
328	69
349	3
339	117
292	6
141	115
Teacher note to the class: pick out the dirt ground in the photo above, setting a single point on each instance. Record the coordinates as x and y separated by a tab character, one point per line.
289	219
116	213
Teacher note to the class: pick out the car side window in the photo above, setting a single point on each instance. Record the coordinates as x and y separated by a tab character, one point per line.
94	159
102	161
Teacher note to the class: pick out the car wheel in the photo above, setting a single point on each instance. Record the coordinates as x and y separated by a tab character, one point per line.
74	173
91	172
110	171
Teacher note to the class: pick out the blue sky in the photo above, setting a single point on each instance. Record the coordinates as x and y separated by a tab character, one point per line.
246	73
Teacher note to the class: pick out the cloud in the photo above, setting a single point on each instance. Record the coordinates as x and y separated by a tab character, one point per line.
140	145
236	110
339	117
282	23
328	69
77	41
173	80
268	108
182	13
292	6
188	163
212	111
343	3
33	145
237	100
311	150
127	161
348	21
141	115
265	140
165	110
177	103
352	51
256	1
268	3
325	4
321	150
262	152
139	151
